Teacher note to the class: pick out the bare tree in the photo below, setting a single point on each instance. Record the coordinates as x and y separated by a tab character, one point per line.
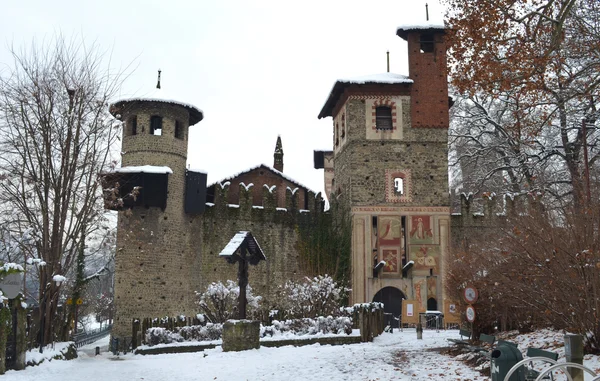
55	138
532	77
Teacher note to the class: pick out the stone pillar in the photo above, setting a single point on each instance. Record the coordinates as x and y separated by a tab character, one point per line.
21	336
4	312
574	353
240	335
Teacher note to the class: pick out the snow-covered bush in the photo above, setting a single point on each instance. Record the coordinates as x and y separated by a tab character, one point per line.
219	302
336	325
309	298
201	333
158	335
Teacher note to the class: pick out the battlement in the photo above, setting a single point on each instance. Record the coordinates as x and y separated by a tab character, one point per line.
488	212
241	201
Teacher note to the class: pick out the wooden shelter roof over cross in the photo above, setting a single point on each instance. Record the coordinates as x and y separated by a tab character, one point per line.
240	241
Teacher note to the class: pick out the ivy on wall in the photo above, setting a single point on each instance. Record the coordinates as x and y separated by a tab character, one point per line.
324	243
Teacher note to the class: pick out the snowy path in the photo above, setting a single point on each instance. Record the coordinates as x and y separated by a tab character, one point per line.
397	356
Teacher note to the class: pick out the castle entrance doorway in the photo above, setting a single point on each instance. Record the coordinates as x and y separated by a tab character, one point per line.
391	298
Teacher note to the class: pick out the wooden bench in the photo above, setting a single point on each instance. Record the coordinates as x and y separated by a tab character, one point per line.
463	333
532	374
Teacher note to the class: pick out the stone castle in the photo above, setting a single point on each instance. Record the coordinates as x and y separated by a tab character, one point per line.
388	166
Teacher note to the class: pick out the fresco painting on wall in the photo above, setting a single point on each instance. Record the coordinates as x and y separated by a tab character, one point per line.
390	231
391	257
421	230
432	287
425	256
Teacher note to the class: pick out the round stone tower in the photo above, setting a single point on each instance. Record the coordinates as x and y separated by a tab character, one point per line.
152	262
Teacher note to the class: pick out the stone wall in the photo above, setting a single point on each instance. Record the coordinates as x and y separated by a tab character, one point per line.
277	231
361	164
152	263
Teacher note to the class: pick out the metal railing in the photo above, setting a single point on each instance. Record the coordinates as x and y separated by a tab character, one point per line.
555	366
84	338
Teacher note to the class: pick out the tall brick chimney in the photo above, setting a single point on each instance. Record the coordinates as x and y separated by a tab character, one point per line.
278	156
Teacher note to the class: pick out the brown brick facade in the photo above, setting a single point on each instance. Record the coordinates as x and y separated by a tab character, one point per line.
429	93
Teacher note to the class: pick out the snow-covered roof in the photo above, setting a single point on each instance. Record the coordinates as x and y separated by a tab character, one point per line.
341	84
377	78
196	114
234	244
144	169
255	253
403	29
263	166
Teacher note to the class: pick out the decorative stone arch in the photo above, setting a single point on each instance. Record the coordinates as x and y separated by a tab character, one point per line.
391	297
384	103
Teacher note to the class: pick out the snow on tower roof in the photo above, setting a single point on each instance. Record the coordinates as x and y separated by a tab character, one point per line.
341	84
144	169
402	30
196	115
377	78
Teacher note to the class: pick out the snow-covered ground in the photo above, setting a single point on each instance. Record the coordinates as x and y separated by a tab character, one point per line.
397	356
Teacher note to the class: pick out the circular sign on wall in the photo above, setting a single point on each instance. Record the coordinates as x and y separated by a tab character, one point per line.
11	285
470	314
471	294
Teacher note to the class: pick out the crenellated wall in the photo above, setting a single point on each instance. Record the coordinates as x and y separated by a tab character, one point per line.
477	216
275	228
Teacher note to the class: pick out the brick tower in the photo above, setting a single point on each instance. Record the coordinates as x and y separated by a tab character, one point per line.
390	161
153	258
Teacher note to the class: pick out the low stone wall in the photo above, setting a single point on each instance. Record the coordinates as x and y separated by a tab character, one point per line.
159	350
341	340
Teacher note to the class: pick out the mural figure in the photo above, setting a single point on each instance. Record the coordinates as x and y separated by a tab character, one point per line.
390	256
431	287
421	231
418	295
390	231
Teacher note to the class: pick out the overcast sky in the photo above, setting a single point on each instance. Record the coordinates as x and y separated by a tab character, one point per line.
257	69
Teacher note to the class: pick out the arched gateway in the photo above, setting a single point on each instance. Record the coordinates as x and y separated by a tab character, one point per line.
391	298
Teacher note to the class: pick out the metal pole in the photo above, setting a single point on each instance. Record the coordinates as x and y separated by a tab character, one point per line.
388	61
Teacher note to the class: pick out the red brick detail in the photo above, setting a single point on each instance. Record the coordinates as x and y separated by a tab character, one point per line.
429	92
390	195
384	102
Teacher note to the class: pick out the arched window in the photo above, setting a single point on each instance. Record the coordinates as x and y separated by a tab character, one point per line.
343	126
337	134
383	118
156	125
132	125
178	130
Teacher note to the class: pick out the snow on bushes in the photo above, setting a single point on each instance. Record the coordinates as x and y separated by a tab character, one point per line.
309	298
295	327
158	335
321	325
219	302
